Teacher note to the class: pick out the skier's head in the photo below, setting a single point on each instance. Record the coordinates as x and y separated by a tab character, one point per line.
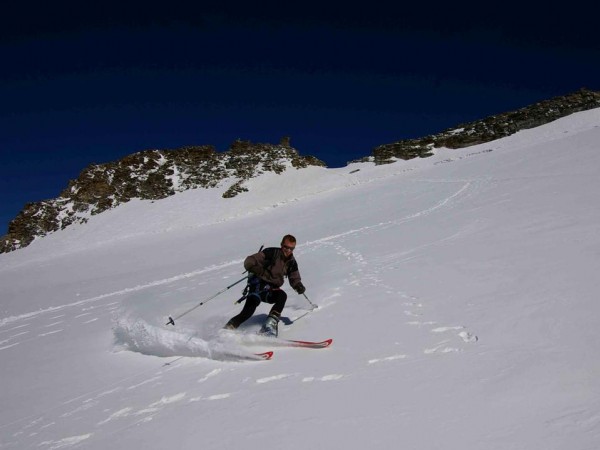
288	244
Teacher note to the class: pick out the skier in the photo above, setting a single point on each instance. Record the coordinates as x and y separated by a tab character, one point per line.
267	270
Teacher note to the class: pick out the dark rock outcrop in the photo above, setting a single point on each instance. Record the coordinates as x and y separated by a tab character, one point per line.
150	175
488	129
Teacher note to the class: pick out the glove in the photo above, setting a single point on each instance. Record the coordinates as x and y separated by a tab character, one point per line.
300	289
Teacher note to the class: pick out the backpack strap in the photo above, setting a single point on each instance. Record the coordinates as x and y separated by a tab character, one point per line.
270	255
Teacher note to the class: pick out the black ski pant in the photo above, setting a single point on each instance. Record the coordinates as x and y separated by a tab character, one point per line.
276	297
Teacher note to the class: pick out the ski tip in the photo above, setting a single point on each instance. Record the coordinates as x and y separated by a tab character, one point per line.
324	344
308	344
265	355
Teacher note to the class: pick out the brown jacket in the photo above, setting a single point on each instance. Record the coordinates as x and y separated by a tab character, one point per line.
271	266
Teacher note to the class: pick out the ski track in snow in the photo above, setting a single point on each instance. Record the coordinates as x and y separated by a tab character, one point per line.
369	274
38	329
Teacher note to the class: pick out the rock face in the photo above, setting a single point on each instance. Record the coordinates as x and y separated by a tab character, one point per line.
150	175
488	129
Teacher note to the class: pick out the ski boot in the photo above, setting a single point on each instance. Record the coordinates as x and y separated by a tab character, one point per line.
270	326
229	326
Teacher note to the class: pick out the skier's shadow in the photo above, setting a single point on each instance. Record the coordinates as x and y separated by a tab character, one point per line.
259	319
254	321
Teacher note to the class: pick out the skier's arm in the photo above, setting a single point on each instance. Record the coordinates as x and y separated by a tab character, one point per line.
254	264
295	279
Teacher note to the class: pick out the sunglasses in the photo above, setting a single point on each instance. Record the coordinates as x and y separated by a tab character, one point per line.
291	249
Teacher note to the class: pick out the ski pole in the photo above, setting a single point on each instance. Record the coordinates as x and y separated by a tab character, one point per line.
306	313
311	303
172	320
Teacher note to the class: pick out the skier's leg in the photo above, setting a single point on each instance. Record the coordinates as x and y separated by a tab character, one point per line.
277	298
250	305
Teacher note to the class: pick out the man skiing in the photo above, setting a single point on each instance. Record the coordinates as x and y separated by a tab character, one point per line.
267	270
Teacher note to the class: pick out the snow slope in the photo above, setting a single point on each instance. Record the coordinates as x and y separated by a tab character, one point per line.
460	290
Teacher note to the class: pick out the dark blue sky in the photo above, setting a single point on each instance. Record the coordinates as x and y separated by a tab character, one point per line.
84	84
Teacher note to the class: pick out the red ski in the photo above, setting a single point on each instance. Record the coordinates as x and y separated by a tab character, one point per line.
265	355
305	344
252	356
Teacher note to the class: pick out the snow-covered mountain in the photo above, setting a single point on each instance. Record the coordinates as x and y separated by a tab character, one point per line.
460	291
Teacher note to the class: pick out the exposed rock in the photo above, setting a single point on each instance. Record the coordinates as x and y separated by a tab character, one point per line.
488	129
150	175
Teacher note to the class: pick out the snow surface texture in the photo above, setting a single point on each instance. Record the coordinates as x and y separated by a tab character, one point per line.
461	291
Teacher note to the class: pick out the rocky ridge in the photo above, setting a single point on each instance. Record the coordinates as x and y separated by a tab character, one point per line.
488	129
150	175
156	174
